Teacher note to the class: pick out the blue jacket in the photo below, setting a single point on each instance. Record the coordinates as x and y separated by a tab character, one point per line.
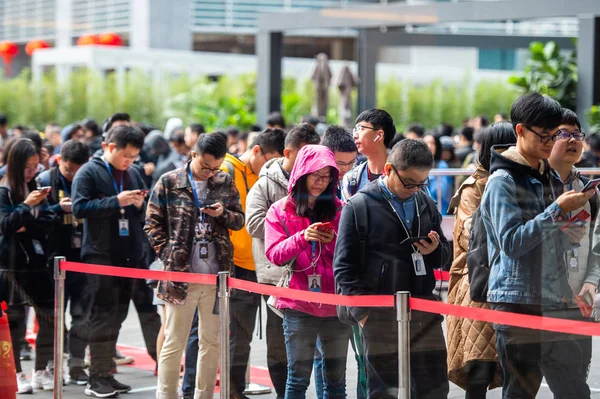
525	243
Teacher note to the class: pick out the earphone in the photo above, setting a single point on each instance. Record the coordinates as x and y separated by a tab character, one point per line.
376	139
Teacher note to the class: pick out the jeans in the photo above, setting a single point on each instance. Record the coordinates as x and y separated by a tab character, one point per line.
527	356
481	375
319	369
111	297
191	358
428	370
301	333
276	352
142	297
81	300
244	306
44	343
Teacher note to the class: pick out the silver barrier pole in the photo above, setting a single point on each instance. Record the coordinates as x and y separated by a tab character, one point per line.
59	326
403	318
439	193
224	321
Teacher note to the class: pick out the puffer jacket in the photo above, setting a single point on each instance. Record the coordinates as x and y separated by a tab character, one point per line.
468	340
271	187
281	248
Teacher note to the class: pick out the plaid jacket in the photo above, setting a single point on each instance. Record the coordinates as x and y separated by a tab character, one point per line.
171	218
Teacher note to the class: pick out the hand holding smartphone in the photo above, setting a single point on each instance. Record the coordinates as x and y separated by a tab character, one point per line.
592	184
324	227
413	240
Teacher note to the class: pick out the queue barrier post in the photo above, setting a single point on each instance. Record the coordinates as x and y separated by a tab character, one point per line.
403	318
224	334
59	326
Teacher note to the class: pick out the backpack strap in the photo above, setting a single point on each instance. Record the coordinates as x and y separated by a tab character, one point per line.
360	220
355	176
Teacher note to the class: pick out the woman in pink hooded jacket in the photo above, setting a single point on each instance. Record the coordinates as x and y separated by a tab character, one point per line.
303	226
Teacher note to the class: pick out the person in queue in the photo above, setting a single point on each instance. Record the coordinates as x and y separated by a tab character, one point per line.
473	361
27	226
109	194
302	227
190	212
523	219
403	242
73	154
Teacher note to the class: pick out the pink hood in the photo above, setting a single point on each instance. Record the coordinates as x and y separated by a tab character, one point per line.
310	159
280	247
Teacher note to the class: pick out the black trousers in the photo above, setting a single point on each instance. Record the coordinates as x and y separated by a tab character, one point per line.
149	318
429	377
80	306
44	343
276	352
244	306
111	297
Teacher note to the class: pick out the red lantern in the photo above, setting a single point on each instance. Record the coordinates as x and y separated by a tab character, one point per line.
35	45
8	51
110	39
87	40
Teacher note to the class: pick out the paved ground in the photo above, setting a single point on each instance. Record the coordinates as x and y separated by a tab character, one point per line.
144	382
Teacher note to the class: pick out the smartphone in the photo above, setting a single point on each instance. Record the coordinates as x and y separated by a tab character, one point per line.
46	188
592	184
584	306
144	192
412	240
211	207
326	227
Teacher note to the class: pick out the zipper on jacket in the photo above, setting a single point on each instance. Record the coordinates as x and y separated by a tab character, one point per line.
383	269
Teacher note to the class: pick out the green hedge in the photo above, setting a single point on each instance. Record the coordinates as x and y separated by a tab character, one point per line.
230	100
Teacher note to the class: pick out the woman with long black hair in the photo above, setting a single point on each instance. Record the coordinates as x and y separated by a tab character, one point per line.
25	278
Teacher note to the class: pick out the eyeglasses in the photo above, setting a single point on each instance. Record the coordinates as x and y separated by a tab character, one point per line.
345	164
543	139
317	178
410	186
359	128
210	171
566	135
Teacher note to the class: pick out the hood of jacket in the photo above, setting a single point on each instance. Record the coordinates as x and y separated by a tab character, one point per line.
273	170
312	158
507	157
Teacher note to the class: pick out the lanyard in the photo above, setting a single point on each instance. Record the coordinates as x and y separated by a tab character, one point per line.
64	183
402	222
113	177
195	193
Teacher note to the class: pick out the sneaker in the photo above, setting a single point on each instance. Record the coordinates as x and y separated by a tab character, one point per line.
100	387
78	376
121	388
23	385
42	379
26	352
120	359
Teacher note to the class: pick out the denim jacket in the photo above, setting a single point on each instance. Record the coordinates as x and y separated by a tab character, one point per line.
525	243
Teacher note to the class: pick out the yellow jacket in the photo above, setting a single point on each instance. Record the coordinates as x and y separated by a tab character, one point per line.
244	178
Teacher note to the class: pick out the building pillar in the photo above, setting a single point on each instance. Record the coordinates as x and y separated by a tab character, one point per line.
366	51
153	26
64	23
588	61
269	50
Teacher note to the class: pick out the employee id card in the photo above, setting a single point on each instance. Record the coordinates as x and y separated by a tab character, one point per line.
123	227
419	264
314	282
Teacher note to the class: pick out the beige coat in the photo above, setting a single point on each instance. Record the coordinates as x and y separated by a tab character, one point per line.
468	340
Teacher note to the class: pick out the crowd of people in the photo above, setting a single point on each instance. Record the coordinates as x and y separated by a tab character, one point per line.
312	208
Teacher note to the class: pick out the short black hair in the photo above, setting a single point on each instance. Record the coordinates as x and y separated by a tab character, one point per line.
34	137
197	128
446	129
417	129
380	119
214	144
75	151
123	135
177	137
92	126
3	120
74	128
301	134
484	120
438	146
534	109
146	128
495	134
411	153
232	132
119	116
276	119
468	133
570	118
338	139
269	141
397	138
311	120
